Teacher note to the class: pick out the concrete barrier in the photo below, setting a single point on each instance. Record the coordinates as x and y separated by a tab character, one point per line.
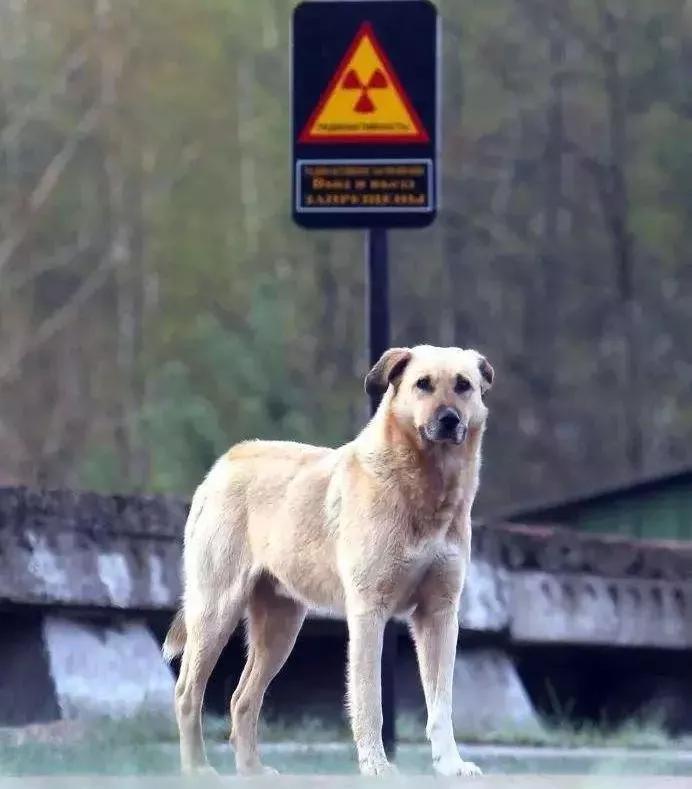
116	559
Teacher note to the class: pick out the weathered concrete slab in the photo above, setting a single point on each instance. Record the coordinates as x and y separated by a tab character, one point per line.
587	609
489	696
119	553
85	550
485	602
106	670
556	549
59	668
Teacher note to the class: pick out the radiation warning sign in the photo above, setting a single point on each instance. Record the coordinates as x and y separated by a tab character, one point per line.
364	113
364	102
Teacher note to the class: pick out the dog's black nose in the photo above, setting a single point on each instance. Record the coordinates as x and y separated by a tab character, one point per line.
449	419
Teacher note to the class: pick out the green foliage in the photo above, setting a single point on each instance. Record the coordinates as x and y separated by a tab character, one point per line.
248	391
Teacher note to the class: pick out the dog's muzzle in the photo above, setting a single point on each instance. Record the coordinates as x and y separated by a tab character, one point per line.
446	426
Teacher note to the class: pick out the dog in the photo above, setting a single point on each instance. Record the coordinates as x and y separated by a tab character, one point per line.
378	527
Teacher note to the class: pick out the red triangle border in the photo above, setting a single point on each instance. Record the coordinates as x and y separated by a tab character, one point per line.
306	136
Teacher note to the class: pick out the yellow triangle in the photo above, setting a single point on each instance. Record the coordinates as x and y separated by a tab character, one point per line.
364	102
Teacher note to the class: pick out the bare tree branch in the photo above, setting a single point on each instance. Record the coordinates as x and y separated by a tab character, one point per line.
568	21
191	154
59	320
12	130
504	236
47	183
61	258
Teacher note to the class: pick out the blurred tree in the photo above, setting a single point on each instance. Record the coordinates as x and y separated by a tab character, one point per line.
156	303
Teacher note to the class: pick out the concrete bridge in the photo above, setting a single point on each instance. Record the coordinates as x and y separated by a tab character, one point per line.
88	583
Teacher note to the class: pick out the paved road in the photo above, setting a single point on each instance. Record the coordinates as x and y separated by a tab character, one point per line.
354	782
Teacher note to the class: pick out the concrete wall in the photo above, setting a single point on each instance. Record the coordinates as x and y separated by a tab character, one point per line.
84	551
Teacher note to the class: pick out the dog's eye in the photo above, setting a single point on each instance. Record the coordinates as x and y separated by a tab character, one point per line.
424	384
462	385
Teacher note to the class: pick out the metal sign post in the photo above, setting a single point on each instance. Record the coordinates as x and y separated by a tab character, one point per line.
364	93
377	296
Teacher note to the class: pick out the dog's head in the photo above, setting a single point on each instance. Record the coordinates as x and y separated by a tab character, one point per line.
437	393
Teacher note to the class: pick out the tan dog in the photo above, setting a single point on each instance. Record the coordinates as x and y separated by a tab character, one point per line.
379	526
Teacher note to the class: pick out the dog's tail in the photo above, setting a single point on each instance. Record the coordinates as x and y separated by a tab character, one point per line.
175	638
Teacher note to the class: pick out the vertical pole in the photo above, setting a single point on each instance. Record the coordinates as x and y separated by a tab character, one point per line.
376	256
377	295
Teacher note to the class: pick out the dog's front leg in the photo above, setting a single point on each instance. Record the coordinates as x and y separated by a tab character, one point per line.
365	633
436	632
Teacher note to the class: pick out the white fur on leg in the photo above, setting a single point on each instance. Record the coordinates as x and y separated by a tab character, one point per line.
365	692
446	758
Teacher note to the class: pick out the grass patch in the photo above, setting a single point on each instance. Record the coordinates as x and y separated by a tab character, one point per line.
147	745
308	729
632	734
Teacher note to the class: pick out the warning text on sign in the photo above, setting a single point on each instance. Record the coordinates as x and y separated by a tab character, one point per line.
372	185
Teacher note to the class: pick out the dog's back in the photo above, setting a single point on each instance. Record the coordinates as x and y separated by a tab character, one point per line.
234	511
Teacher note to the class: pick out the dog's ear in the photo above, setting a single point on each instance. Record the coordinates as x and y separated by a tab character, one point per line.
389	366
487	373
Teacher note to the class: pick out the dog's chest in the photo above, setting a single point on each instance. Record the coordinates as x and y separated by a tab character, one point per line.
432	536
433	495
433	516
416	566
435	522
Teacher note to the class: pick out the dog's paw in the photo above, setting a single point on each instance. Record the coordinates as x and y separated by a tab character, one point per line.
379	767
201	771
256	769
456	766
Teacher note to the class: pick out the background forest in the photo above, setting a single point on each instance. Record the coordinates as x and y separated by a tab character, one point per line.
157	304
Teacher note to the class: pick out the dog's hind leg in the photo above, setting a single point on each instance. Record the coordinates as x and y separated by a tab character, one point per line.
209	623
242	682
219	577
273	626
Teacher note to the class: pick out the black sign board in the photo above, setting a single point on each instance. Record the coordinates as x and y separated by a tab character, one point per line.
365	113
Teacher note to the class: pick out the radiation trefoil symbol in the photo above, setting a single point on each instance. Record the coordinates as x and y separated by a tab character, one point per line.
364	101
376	82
